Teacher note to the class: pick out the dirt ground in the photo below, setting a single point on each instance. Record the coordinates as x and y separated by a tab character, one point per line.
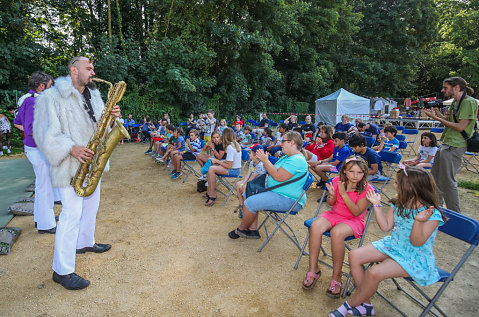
171	256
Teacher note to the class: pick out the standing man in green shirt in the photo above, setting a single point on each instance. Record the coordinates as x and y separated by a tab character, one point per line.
449	156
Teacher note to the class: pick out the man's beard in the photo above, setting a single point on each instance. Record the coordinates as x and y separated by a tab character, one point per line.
91	85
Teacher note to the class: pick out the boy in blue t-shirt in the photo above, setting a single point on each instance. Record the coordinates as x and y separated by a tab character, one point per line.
358	143
178	147
333	164
193	148
389	141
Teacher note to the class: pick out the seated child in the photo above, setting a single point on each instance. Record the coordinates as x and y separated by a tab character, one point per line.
179	146
256	168
389	141
213	148
358	143
222	126
231	166
246	138
333	163
426	153
322	148
275	149
266	138
413	218
347	198
238	133
162	146
193	145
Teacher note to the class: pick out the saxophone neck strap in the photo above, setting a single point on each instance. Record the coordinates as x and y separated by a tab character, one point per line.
87	103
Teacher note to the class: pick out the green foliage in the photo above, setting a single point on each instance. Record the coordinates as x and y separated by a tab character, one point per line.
242	56
469	185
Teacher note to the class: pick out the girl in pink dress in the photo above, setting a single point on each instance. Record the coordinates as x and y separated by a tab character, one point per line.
347	197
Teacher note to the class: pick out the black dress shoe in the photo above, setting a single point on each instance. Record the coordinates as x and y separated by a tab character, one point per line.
97	248
57	218
50	231
57	202
71	281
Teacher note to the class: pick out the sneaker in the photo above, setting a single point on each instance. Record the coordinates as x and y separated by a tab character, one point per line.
122	142
168	162
172	173
159	160
176	175
153	153
248	234
71	281
8	151
170	166
148	151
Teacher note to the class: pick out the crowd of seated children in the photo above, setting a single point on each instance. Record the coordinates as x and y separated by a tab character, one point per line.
332	164
290	166
358	143
368	129
347	198
345	125
266	138
275	148
212	149
231	166
239	120
156	136
146	128
322	148
426	153
222	126
255	169
193	147
389	141
246	139
177	146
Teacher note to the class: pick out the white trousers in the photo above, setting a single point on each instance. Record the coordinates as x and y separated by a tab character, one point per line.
75	229
56	194
43	213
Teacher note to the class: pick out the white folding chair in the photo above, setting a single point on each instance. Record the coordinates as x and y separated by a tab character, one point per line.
459	227
279	219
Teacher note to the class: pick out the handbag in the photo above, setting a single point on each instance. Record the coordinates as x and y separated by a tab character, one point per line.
201	186
473	141
258	185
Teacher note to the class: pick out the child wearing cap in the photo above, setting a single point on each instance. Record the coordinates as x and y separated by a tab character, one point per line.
256	168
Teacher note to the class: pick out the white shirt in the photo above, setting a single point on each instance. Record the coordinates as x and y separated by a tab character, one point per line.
425	152
233	156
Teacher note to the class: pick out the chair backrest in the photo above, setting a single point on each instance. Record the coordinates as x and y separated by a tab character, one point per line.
253	136
461	227
410	131
301	122
400	128
402	145
203	143
309	181
437	130
245	154
390	157
401	137
182	124
369	141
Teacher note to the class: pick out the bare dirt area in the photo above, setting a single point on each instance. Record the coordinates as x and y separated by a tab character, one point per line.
171	256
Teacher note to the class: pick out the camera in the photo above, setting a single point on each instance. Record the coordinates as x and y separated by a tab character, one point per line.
434	104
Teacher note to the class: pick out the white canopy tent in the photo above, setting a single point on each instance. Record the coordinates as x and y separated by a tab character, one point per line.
329	109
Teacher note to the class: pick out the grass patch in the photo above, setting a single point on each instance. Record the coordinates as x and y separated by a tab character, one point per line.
469	185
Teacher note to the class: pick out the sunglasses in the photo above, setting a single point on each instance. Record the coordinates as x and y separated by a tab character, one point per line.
282	141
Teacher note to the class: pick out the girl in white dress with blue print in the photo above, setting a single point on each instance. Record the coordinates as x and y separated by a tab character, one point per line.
413	218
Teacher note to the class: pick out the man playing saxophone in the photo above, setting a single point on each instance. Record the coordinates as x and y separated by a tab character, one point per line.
65	119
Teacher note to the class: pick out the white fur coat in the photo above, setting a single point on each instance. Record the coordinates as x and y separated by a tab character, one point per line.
60	122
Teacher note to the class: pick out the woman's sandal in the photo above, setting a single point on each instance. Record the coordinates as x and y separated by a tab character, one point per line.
210	201
332	288
205	196
311	279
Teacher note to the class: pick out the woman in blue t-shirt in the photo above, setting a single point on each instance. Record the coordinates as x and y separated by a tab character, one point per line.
292	165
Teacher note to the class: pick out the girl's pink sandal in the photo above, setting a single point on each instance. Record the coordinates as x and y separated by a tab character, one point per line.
311	279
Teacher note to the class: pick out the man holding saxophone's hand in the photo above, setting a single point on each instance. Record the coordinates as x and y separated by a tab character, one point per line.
66	117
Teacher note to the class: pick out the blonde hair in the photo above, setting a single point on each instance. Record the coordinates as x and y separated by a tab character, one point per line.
228	138
296	137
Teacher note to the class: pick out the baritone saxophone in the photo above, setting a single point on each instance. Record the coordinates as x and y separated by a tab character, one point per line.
102	143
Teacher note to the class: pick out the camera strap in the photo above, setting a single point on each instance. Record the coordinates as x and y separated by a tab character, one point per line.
463	133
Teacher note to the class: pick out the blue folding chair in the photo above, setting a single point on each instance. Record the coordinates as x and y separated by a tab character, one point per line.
369	141
457	226
279	218
415	133
437	130
189	165
402	147
301	122
401	137
391	160
400	128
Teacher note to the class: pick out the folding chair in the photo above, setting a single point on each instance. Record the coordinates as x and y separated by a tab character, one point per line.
402	147
369	141
391	159
400	128
468	160
401	137
457	226
437	130
229	185
279	218
415	133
